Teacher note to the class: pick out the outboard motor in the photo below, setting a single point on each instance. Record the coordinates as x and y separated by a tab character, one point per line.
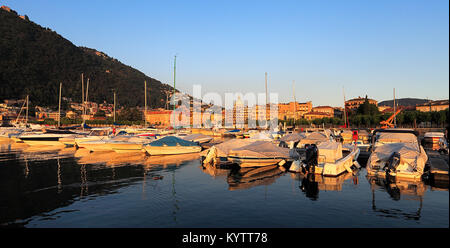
393	162
283	144
312	153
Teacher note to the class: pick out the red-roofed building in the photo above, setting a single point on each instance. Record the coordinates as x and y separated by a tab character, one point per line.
324	109
316	115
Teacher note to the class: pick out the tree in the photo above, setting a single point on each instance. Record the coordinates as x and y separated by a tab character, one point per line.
367	108
100	113
130	114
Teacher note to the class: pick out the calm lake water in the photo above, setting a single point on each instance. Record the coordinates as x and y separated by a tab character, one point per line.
71	188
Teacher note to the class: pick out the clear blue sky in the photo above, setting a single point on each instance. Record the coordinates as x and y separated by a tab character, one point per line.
369	47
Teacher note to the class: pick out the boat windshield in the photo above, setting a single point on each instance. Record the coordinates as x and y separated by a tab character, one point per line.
387	138
103	132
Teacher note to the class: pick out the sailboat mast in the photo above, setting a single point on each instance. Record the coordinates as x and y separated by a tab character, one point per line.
87	93
59	108
114	113
174	73
82	95
295	102
266	88
145	108
26	118
395	116
345	114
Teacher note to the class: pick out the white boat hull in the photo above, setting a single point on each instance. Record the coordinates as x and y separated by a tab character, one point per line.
171	150
254	162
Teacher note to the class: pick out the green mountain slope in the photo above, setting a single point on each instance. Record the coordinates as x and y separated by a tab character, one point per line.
34	60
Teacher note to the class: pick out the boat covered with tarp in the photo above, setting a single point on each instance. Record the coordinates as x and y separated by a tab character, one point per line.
171	145
292	139
313	138
259	153
218	154
397	153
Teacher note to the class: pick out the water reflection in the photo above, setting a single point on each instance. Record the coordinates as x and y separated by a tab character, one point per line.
36	180
38	185
312	184
398	190
244	178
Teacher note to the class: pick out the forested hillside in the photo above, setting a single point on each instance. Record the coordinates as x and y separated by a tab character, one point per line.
34	60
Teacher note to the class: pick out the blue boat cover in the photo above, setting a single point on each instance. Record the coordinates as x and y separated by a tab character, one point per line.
172	141
86	126
234	131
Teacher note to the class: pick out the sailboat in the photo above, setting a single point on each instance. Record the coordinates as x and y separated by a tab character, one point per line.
48	136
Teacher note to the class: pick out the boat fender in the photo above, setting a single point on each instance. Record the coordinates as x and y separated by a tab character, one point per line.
282	162
211	155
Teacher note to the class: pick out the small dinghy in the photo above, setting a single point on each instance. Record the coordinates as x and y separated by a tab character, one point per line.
171	145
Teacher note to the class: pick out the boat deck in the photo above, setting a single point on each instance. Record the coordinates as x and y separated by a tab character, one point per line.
438	164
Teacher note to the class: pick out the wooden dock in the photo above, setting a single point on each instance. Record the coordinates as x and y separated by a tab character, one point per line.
438	165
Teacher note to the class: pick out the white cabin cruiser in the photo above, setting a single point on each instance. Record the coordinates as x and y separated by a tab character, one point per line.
96	134
330	158
48	137
397	153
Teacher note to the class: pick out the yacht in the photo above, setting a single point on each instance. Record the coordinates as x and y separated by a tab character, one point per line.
397	153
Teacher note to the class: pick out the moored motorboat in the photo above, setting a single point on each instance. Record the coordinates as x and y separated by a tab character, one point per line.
94	145
259	153
434	140
171	145
49	137
96	134
127	144
397	153
198	137
218	154
313	138
291	140
330	158
7	133
246	178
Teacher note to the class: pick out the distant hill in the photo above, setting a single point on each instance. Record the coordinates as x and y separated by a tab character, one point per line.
403	102
34	60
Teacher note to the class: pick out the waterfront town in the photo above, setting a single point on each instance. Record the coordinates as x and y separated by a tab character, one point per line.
131	147
11	109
